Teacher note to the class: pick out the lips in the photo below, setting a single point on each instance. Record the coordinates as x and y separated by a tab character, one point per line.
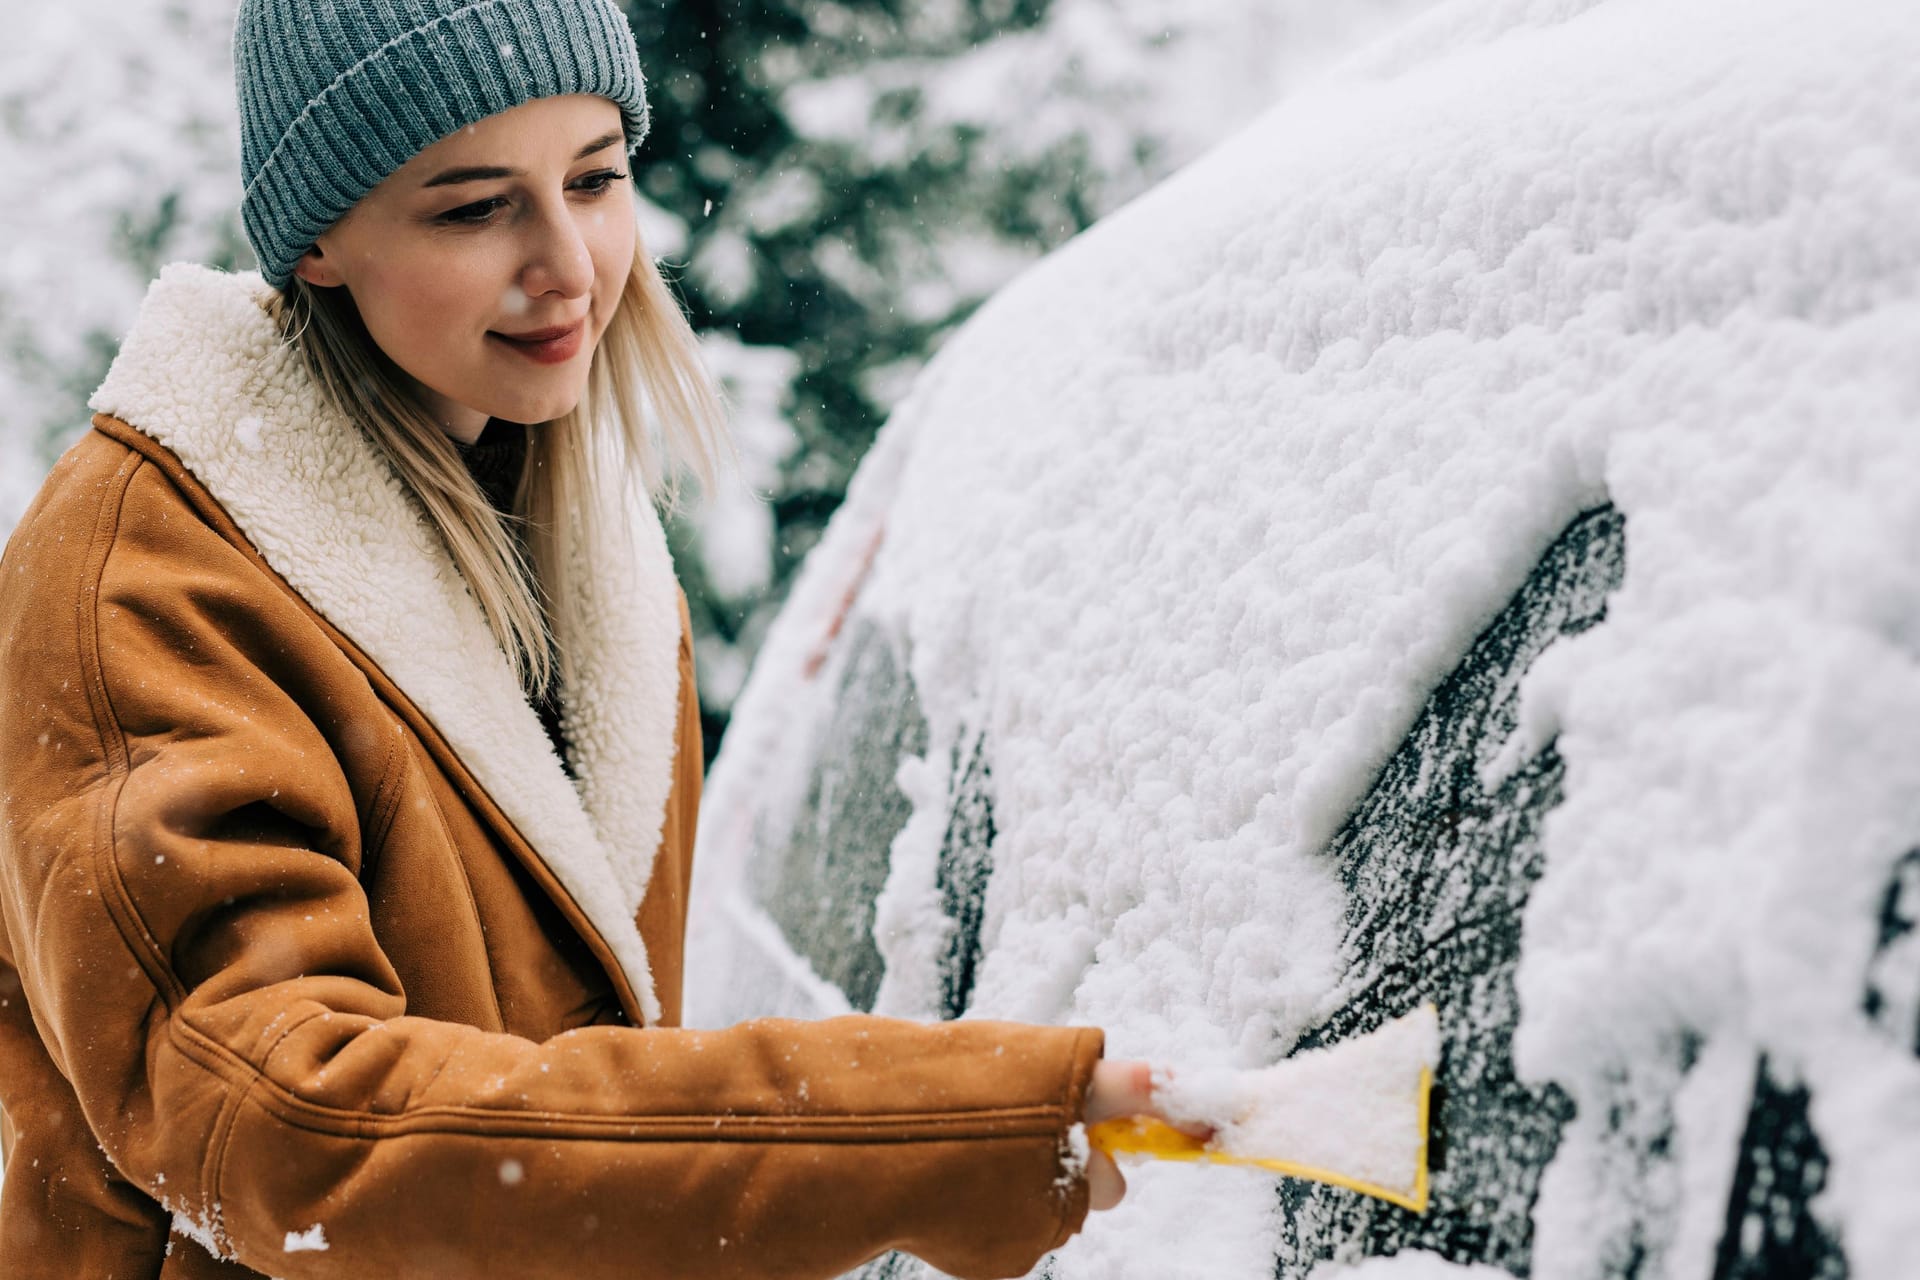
547	346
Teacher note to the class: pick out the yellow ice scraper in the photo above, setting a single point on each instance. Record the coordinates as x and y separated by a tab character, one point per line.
1352	1114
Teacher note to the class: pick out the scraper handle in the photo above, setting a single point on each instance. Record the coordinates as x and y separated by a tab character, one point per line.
1143	1136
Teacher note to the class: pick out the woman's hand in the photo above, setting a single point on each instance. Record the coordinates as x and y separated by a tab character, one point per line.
1121	1089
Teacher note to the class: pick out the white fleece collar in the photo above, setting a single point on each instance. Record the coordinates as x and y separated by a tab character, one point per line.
203	373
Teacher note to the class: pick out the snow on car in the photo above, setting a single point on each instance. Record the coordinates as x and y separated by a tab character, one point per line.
1454	543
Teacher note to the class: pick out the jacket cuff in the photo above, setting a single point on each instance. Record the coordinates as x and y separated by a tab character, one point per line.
1089	1046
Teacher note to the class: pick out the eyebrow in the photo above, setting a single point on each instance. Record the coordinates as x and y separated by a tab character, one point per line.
483	173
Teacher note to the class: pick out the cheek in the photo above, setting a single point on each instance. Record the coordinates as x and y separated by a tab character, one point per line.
411	301
418	310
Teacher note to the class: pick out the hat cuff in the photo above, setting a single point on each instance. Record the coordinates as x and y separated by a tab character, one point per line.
429	82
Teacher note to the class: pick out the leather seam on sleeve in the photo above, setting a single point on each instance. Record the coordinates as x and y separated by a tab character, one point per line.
1014	1124
121	909
385	803
439	1069
213	1176
269	1047
106	527
473	903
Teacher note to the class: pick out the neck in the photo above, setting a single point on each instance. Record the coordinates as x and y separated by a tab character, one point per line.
464	427
461	423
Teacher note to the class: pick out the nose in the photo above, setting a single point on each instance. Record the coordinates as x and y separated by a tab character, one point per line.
557	257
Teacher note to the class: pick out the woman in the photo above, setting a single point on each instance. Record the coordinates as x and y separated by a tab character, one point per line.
351	755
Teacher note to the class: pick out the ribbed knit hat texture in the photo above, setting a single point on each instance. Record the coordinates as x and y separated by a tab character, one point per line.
337	94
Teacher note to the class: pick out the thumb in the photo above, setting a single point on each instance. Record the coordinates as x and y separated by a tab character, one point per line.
1127	1089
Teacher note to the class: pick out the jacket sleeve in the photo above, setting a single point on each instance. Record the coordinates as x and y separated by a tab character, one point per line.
178	866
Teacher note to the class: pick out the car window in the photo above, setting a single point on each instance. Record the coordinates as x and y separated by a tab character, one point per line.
965	866
1437	868
818	876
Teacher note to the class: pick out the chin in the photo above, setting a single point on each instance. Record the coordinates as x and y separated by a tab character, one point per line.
531	411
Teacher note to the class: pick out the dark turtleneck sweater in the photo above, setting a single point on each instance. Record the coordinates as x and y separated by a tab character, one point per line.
495	461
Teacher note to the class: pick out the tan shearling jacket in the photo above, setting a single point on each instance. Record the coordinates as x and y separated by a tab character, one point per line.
314	962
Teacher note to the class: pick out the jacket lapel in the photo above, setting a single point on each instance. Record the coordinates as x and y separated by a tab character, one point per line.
203	372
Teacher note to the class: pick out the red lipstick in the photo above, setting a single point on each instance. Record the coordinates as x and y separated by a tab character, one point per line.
555	345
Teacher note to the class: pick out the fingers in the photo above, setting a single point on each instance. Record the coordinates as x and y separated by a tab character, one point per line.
1105	1185
1127	1089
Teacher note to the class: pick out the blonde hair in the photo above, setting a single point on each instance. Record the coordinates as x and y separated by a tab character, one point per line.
650	413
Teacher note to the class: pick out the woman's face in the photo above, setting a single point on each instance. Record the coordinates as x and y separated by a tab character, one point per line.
488	265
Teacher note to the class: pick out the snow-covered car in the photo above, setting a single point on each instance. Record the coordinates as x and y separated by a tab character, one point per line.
1454	543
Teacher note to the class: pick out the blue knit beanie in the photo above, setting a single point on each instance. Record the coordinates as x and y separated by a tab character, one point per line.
337	94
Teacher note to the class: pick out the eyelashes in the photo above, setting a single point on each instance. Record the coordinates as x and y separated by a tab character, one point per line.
470	214
481	212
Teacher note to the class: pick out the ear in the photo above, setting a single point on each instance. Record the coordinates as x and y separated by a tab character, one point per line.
317	269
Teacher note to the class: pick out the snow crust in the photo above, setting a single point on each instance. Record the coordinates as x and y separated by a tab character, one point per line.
1189	521
312	1240
1076	1151
203	1229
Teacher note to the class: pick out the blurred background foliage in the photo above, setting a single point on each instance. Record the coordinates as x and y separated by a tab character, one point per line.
832	184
